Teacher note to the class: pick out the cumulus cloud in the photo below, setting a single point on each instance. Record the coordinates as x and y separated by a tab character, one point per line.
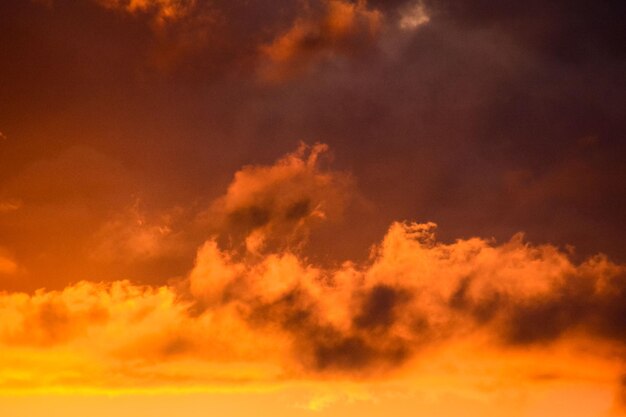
416	291
283	316
274	314
262	311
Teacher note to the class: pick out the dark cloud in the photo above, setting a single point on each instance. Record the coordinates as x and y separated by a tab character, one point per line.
49	322
379	308
322	347
578	304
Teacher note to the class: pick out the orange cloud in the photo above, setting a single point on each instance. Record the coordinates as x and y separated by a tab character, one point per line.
342	28
119	335
280	315
261	313
416	291
275	206
186	30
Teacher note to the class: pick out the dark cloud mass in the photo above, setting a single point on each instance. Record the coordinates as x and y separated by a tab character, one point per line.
576	304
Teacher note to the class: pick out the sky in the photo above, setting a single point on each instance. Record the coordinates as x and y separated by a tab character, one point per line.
312	207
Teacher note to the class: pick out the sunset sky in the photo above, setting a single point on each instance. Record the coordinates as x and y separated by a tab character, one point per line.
313	208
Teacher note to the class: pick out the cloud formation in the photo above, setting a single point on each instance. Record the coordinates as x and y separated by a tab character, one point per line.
164	10
320	31
335	27
275	206
260	312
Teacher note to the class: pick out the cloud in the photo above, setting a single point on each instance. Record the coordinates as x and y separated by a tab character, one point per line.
414	16
340	28
251	38
181	28
416	291
263	312
282	316
480	91
163	10
276	206
132	235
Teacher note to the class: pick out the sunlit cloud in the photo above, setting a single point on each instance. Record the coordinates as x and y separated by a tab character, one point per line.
276	206
322	30
341	28
262	314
